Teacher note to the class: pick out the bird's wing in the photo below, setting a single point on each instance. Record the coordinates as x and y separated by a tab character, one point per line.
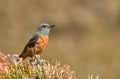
29	45
32	41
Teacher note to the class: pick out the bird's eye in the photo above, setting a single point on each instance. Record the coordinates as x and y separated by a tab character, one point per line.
43	26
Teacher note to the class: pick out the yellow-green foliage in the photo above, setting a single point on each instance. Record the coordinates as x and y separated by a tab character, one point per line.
37	68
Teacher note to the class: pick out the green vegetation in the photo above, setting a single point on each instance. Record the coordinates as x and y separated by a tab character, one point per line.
37	68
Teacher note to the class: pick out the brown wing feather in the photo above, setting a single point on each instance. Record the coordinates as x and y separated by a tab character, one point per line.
29	48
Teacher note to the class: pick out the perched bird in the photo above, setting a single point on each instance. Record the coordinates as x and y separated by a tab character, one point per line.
38	42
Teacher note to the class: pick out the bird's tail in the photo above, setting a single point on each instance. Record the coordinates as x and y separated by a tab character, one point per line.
22	56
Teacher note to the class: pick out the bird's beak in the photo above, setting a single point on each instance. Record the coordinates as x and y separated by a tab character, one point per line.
52	26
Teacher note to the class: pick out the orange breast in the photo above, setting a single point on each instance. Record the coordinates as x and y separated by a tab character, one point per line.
41	43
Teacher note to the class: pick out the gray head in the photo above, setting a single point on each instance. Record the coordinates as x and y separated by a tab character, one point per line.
44	28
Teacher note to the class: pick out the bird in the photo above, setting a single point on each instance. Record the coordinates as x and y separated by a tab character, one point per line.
37	44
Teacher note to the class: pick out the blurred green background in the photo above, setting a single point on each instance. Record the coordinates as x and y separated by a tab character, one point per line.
87	33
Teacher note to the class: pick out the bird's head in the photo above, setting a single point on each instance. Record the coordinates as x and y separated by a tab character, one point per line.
44	28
